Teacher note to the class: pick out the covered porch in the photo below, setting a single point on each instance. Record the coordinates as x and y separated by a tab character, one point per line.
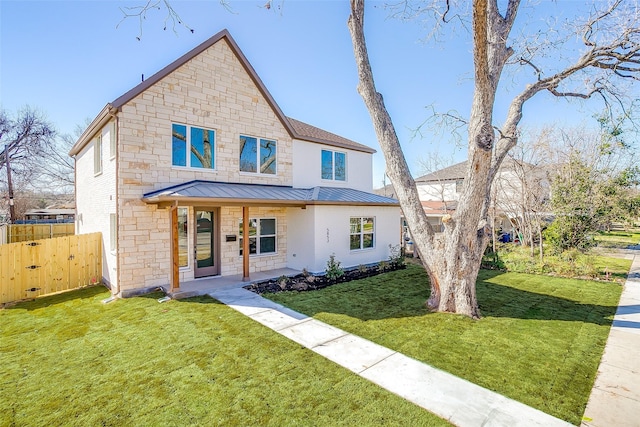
207	285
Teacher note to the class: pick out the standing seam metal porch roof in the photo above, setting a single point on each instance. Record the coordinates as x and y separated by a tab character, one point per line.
235	193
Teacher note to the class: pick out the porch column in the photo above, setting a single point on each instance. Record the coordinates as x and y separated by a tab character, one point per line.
245	244
175	268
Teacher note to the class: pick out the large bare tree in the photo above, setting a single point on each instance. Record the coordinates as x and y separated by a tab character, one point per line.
610	52
24	138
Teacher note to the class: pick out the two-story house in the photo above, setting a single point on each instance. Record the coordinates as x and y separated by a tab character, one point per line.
196	172
519	191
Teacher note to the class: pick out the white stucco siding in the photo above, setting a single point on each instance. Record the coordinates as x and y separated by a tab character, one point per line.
331	230
301	238
307	167
439	191
96	199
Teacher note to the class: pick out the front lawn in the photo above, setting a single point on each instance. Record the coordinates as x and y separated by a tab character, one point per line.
71	360
540	340
573	263
617	239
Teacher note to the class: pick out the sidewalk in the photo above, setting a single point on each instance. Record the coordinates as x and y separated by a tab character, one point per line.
454	399
615	398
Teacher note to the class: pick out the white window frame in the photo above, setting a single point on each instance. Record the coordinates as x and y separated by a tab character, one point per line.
258	235
112	141
361	233
333	165
259	139
214	155
113	232
97	156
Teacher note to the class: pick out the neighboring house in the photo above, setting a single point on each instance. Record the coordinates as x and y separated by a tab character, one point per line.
519	190
48	215
175	173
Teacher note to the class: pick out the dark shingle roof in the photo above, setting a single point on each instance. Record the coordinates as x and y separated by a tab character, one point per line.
254	194
311	133
453	172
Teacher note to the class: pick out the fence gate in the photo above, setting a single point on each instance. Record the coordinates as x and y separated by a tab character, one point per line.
42	267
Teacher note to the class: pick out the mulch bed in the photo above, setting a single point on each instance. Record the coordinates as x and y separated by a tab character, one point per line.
309	282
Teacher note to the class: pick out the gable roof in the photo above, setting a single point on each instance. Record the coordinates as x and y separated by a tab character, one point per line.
295	128
453	172
228	193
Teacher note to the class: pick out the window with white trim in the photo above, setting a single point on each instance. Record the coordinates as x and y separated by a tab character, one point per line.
183	241
262	236
192	147
97	156
362	233
258	155
113	232
333	165
112	140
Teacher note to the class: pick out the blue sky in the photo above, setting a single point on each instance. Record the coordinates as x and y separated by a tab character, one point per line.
68	59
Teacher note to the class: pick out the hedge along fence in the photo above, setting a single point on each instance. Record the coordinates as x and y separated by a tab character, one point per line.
25	232
43	267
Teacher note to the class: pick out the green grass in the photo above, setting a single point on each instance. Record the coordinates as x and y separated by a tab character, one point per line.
516	258
617	239
71	360
540	340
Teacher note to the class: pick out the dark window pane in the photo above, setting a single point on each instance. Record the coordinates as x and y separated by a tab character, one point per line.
367	240
355	241
248	154
341	167
267	245
267	227
252	245
179	145
327	164
267	157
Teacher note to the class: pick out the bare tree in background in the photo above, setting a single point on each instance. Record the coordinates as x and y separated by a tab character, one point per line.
610	54
522	190
23	141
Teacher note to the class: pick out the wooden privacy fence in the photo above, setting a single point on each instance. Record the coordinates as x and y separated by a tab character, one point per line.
42	267
25	232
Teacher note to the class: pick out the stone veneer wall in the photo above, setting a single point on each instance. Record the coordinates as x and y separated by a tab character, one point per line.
211	91
231	261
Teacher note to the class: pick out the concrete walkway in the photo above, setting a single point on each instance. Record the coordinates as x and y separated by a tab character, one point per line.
615	398
454	399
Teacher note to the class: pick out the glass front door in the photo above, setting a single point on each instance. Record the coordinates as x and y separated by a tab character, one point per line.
206	253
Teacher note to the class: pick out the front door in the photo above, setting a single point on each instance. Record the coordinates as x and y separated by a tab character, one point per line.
206	239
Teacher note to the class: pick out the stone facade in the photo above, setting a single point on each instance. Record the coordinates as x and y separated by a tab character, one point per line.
213	88
211	91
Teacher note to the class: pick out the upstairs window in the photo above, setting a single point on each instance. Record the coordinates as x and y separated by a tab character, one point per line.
258	155
334	165
97	156
362	233
459	183
193	147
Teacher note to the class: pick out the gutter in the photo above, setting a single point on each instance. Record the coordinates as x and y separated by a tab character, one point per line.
101	119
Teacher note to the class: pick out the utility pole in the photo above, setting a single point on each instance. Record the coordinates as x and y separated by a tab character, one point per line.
12	209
